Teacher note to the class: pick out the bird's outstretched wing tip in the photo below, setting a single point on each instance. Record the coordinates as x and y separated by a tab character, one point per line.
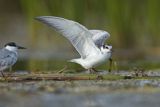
40	18
45	17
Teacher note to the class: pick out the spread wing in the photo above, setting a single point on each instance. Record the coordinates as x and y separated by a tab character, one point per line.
77	34
99	37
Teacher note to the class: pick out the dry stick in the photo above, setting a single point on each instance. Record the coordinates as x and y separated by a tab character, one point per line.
48	77
62	70
110	65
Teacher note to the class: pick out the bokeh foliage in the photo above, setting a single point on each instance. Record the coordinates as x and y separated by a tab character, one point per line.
133	24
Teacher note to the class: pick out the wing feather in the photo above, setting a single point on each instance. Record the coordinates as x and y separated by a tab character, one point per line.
77	34
99	37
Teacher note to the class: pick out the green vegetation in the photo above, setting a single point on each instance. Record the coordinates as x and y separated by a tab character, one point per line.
131	23
134	27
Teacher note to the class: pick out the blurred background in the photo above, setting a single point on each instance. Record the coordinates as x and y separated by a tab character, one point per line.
134	26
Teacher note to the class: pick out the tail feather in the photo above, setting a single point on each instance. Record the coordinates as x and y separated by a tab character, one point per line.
72	60
78	61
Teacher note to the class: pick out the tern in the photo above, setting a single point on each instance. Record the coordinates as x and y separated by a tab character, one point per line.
89	43
8	56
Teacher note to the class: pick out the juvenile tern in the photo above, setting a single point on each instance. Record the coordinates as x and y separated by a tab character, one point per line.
8	56
89	43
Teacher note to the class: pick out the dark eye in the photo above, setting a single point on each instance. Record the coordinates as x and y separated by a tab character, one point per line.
106	47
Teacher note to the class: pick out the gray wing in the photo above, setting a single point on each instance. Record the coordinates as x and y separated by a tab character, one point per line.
99	37
7	59
4	53
77	34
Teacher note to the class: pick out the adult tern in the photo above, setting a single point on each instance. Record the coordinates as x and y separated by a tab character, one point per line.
89	43
8	56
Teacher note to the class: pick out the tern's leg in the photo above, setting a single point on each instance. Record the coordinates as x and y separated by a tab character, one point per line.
98	77
3	75
92	71
10	72
110	64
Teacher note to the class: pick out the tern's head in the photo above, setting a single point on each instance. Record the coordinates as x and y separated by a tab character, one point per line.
13	46
106	48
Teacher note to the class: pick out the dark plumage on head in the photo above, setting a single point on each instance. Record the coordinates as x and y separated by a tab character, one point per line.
11	44
14	45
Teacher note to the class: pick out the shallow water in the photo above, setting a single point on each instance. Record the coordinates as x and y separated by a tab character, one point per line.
83	93
80	100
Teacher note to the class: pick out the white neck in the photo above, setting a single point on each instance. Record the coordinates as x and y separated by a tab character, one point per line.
103	50
11	48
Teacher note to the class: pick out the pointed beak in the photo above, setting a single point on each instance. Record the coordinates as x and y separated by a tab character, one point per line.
20	47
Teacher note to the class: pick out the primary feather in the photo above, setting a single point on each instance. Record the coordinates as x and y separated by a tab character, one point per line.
77	34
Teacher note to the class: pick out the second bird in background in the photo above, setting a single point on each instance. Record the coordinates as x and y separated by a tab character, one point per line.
8	56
